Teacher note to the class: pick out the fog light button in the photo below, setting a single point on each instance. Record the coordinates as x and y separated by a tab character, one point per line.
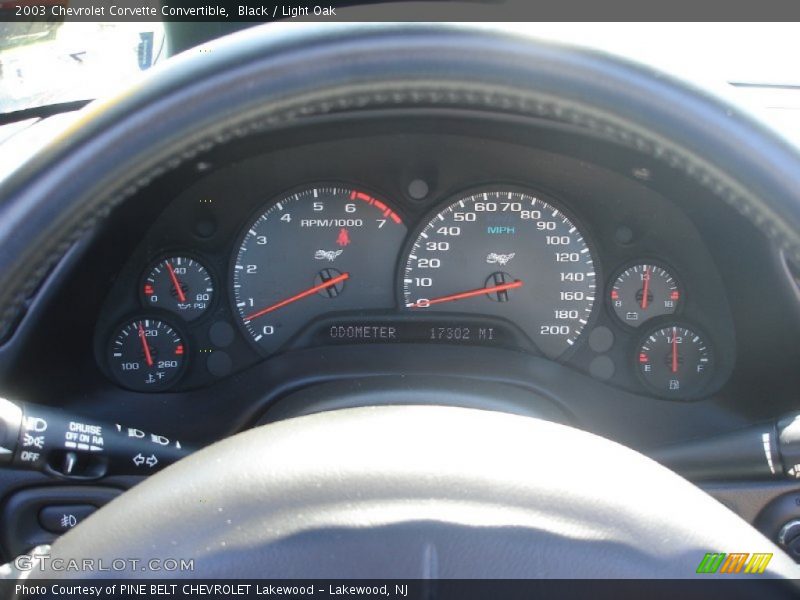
60	519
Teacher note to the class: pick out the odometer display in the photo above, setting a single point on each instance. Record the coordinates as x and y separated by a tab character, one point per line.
508	254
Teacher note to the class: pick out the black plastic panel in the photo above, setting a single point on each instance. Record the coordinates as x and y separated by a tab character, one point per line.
22	526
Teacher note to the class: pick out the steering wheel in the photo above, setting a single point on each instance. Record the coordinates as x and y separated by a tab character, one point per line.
398	491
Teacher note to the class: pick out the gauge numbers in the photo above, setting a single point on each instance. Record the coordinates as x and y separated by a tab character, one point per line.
508	254
675	361
146	355
180	285
644	291
319	250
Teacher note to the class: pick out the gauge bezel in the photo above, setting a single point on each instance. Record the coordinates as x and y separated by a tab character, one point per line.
450	197
197	258
262	208
162	315
665	322
675	315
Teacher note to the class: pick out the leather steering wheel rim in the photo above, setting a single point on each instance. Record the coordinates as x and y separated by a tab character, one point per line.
269	79
417	492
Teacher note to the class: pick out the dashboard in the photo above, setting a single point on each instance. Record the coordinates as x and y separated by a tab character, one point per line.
419	239
596	284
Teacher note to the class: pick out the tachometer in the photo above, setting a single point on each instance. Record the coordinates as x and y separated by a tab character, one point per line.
505	253
319	250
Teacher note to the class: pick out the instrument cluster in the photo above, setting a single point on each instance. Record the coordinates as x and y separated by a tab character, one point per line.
497	264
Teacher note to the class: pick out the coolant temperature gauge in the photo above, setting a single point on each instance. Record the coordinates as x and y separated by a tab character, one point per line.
146	355
644	291
675	361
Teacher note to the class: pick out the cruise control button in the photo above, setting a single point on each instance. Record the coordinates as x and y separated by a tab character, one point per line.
60	519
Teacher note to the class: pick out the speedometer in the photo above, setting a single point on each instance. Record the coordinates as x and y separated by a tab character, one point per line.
509	254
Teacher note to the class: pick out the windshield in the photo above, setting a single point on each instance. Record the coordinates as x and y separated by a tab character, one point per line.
754	64
44	63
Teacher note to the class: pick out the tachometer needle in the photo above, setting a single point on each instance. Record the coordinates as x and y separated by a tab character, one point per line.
517	283
313	290
674	349
176	283
147	356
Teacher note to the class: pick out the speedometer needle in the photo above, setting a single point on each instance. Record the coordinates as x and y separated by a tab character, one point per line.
147	356
313	290
517	283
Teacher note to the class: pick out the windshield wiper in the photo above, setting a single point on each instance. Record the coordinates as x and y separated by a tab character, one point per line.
41	112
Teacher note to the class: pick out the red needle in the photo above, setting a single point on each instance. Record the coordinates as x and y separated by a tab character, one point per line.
322	286
646	287
674	349
517	283
147	356
176	283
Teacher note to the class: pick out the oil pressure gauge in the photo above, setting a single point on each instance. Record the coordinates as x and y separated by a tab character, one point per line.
644	291
180	285
675	361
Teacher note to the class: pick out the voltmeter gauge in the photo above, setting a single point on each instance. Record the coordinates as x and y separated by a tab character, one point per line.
644	291
146	355
180	285
675	361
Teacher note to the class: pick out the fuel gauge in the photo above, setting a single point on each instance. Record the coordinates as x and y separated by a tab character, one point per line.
675	361
644	291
